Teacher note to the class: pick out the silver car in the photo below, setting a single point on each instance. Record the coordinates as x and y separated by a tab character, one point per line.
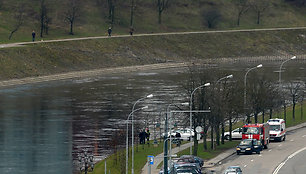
233	170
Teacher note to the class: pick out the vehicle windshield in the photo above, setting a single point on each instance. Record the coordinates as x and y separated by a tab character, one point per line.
245	142
250	130
275	127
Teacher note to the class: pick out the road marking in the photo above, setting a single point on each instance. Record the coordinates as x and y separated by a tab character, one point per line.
252	160
280	145
291	140
244	165
284	162
270	150
304	136
259	155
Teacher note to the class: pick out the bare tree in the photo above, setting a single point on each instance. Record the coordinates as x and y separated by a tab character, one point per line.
72	13
259	6
43	17
294	89
162	5
242	6
19	19
211	18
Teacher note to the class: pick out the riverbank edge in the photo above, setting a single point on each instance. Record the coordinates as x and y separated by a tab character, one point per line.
88	73
136	68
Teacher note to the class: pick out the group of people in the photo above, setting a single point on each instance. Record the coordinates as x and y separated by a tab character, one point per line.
143	135
109	31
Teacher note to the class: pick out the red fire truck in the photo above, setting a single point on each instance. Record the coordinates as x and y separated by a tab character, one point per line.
257	131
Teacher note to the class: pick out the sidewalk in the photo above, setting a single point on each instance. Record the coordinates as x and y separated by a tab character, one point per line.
207	164
159	158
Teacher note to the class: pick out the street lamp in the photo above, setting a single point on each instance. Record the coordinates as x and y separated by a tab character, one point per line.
148	96
85	161
245	76
205	85
170	118
280	69
127	139
226	77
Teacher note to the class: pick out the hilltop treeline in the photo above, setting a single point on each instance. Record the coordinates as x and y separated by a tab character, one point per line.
61	18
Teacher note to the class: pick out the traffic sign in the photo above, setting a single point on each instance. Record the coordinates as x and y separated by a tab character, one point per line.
151	159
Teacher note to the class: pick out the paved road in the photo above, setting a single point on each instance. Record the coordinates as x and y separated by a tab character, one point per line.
271	158
150	34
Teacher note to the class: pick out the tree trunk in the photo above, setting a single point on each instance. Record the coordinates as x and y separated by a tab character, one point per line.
258	17
212	137
222	132
293	111
256	117
285	112
271	110
263	116
205	134
195	147
238	19
302	110
132	13
230	128
12	33
71	28
217	130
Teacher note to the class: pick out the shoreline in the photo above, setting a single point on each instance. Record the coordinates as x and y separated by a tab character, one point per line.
135	68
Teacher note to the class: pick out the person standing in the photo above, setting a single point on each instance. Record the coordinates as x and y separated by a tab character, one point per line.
33	35
109	31
148	135
131	31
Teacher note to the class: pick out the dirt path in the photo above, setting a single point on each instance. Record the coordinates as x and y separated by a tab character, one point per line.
151	34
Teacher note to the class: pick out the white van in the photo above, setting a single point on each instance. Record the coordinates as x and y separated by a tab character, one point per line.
277	129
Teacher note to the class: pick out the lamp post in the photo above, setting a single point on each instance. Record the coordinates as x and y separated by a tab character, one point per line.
85	161
170	118
245	76
222	124
190	114
280	81
148	96
127	138
280	69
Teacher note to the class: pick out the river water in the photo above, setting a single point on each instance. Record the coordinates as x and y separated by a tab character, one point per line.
43	127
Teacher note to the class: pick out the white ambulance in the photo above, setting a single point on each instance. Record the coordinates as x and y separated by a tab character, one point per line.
277	129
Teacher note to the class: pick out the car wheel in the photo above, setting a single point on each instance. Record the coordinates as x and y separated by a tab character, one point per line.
258	152
226	137
284	138
238	153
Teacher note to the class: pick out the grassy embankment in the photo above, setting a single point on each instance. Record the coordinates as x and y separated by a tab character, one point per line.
182	15
144	151
52	58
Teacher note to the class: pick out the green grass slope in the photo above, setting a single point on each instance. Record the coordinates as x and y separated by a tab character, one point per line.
181	15
51	58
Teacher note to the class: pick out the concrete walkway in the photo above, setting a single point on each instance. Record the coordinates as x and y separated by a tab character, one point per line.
149	34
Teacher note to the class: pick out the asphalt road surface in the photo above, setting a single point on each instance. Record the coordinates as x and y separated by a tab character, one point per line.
287	157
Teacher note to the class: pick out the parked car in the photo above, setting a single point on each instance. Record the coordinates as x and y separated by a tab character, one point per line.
249	146
185	134
196	159
236	134
233	170
187	171
188	166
